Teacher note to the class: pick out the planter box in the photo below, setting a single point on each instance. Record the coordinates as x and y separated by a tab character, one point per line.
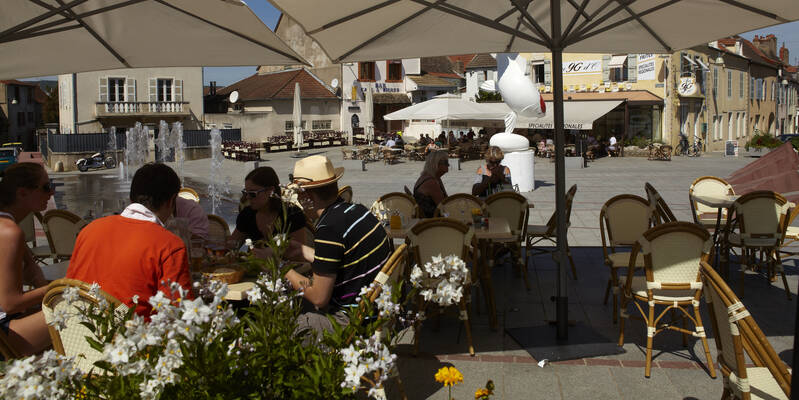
755	152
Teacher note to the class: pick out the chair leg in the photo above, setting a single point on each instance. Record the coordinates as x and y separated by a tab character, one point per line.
623	319
650	336
614	281
417	325
744	263
779	268
571	260
522	265
607	293
466	323
700	330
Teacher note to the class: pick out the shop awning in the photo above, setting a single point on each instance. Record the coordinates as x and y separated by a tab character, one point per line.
576	114
617	61
391	98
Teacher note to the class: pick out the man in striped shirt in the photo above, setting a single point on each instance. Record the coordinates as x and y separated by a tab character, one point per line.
350	246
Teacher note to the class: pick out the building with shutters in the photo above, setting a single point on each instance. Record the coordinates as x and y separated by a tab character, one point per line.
91	102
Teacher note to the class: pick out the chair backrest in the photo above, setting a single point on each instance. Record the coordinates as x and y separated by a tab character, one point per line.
708	186
434	236
71	340
552	224
28	228
761	215
396	201
62	228
736	331
218	230
345	193
661	213
189	194
672	255
623	219
512	207
391	271
459	206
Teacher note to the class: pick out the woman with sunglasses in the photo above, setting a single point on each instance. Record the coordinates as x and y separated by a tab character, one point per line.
24	188
267	215
492	177
429	189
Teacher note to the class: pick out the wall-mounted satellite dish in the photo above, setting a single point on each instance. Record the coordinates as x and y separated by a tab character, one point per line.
234	96
334	83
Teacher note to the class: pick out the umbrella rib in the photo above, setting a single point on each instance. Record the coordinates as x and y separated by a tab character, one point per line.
755	10
504	15
70	14
353	15
513	36
648	29
598	10
585	34
232	32
530	19
24	35
40	18
479	19
608	15
580	11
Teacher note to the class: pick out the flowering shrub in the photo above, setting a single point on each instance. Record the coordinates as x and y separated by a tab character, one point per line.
762	140
441	280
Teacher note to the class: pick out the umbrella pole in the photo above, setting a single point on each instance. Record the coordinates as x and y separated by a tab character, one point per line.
561	296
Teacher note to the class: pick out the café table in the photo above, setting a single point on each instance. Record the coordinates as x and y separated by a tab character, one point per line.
497	231
721	203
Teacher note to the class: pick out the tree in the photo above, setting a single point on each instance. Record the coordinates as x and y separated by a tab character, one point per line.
488	97
50	106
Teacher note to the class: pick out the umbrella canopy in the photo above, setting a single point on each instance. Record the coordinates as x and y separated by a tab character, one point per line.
448	107
368	116
364	30
50	37
297	117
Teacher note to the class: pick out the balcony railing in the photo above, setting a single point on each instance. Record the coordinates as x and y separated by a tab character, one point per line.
123	108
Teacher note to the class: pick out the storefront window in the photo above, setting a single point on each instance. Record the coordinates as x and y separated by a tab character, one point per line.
641	122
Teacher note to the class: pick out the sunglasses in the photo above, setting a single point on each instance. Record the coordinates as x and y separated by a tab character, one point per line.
252	193
49	186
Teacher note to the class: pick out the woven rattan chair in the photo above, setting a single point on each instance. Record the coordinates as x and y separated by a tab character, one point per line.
61	228
737	334
709	186
672	255
71	341
760	218
548	233
622	221
189	194
443	236
402	203
791	233
39	252
346	193
661	213
459	206
218	230
513	208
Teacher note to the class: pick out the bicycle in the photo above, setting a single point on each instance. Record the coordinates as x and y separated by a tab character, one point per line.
685	149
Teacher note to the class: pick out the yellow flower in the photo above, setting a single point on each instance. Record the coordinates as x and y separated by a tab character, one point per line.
481	393
449	376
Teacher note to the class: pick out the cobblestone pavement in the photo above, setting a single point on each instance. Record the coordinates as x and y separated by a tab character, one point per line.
679	372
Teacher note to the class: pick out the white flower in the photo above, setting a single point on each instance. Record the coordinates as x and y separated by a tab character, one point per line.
255	295
116	354
279	239
195	311
70	294
159	301
135	299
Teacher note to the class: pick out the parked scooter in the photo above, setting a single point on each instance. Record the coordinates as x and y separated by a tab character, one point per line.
97	160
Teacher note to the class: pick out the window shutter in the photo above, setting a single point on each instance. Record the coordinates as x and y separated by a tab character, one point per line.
632	67
103	90
606	68
178	85
751	88
528	70
548	72
153	89
130	90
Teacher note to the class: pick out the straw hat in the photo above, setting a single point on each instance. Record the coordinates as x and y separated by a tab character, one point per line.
315	171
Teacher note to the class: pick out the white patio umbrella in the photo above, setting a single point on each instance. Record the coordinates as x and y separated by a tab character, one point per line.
448	107
368	116
364	30
50	37
297	117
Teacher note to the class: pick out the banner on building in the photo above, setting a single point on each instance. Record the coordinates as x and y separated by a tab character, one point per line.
582	67
646	67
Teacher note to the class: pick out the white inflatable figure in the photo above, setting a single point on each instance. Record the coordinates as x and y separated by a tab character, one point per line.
523	98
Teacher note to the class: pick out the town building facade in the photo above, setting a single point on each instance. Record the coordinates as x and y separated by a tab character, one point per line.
20	112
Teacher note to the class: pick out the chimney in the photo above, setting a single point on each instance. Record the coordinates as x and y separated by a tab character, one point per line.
213	88
784	54
767	44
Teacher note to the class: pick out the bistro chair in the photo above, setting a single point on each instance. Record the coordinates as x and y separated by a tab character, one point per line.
189	194
61	228
622	221
708	186
672	254
548	233
661	212
398	202
791	233
218	229
760	218
71	340
444	236
459	206
346	194
40	253
737	335
513	208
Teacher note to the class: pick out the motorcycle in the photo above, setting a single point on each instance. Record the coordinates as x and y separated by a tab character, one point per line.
97	160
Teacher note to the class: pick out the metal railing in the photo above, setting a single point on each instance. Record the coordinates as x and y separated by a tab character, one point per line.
142	107
91	142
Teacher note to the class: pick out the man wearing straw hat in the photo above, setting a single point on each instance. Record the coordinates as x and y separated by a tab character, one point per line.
350	246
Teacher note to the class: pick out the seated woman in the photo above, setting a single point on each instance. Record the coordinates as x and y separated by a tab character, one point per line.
492	177
267	215
24	188
429	189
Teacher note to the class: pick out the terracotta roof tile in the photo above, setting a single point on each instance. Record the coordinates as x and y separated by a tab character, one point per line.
482	61
20	83
279	85
464	59
430	80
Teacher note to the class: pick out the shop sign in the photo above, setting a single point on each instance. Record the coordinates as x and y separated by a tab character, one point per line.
382	87
582	67
550	125
646	67
687	86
